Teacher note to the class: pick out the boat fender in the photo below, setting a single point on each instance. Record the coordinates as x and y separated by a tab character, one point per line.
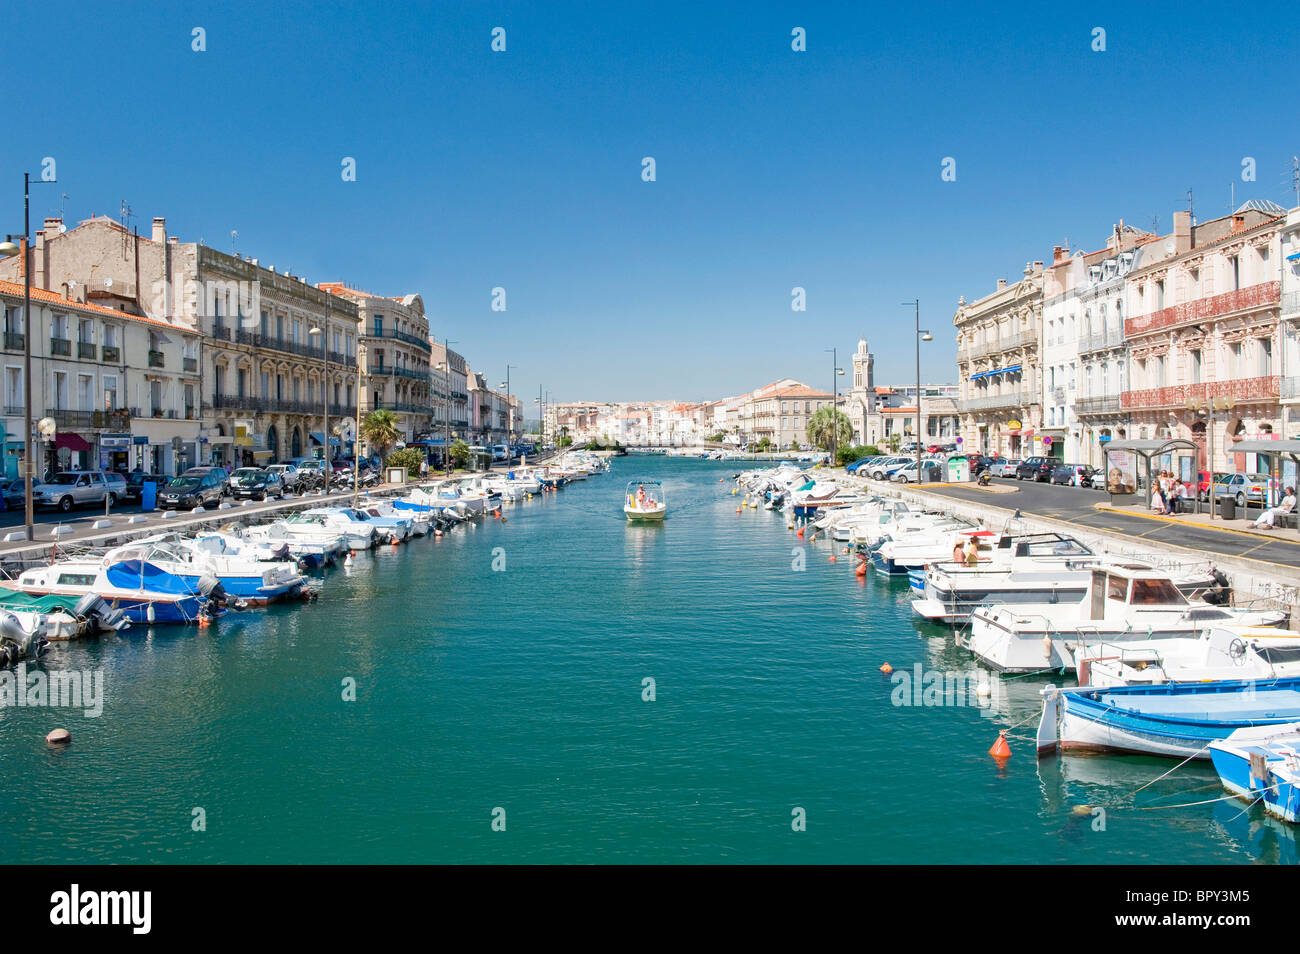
1047	647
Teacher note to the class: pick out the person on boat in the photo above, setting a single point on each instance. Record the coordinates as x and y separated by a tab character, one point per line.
640	497
972	552
1269	516
957	555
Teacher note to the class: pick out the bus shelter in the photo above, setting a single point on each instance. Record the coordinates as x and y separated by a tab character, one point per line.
1283	464
1131	467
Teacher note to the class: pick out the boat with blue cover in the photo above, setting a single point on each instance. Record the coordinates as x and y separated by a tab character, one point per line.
1262	763
1180	720
144	592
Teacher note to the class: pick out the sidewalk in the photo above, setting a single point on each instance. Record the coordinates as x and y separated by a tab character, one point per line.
1240	525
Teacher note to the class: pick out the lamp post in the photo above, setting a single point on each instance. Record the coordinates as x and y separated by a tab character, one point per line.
356	437
325	405
7	250
510	430
921	335
836	372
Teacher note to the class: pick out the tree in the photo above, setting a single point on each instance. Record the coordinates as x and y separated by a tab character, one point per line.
380	429
409	457
459	453
829	426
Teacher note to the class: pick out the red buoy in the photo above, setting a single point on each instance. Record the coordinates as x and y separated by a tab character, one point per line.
1001	751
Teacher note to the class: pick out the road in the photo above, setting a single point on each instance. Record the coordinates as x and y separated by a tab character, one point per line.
1077	506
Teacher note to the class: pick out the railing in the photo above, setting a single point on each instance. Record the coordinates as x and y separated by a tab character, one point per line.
1009	399
272	405
1098	404
189	364
1111	338
390	370
111	354
220	331
1204	309
1291	303
409	407
86	349
76	419
1005	343
15	341
60	346
418	342
155	359
15	410
1290	388
1243	391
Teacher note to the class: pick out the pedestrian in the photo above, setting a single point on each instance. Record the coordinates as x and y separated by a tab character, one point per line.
424	467
1157	499
957	555
1269	516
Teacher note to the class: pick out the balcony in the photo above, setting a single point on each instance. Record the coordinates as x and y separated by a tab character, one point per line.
76	420
86	349
1017	398
1263	295
220	331
1097	404
111	354
413	340
155	359
15	341
1291	388
190	364
1243	391
1291	303
1106	340
61	346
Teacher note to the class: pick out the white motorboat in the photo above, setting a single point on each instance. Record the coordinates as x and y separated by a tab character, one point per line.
1221	652
645	500
357	534
1125	603
312	545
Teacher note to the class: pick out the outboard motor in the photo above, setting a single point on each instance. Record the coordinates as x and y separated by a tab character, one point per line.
1222	592
211	588
100	615
16	643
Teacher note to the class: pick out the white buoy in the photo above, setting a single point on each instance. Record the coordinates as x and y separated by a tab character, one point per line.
349	559
149	613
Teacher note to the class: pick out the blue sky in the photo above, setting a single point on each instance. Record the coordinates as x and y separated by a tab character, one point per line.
522	169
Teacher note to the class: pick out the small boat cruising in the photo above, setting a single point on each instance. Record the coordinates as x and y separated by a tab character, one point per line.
644	500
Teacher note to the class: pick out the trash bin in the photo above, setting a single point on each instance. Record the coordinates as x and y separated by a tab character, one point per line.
1227	509
148	495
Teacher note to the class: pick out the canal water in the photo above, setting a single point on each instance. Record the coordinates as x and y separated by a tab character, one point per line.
502	674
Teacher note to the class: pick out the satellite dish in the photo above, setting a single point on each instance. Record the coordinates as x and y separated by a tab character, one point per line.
1169	245
47	426
108	283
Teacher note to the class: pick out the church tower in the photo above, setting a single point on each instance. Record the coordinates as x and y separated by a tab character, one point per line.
862	399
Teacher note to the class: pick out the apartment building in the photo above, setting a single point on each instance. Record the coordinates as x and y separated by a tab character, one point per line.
122	389
394	356
1289	319
1202	326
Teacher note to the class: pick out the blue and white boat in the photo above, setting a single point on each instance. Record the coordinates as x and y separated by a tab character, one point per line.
241	576
144	592
1262	763
1180	720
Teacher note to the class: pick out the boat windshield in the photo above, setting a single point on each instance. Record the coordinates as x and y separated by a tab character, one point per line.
1155	592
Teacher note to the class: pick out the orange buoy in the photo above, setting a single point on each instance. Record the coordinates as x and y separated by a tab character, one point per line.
799	532
737	510
204	621
1000	748
861	570
832	557
886	669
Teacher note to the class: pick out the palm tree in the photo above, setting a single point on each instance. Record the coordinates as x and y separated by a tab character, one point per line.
380	429
829	428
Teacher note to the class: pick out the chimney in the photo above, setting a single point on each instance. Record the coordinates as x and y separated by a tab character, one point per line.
1002	284
1182	232
1238	222
1059	254
1038	268
160	230
53	227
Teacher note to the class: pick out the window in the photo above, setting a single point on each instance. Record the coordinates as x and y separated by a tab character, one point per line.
155	398
1265	357
265	320
1234	360
85	392
379	326
1195	369
1235	263
1160	295
266	384
61	391
241	382
59	327
13	388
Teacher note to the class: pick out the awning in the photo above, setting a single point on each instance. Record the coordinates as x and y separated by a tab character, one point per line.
263	454
315	436
1294	256
982	374
72	442
1011	370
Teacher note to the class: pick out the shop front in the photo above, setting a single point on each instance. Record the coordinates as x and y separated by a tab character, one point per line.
115	452
170	446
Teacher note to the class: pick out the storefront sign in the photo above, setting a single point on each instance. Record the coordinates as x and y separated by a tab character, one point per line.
1013	425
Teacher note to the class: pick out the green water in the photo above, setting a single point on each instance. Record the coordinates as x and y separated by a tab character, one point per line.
522	689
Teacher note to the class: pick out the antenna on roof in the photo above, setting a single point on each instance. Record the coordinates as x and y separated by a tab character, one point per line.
233	249
127	215
1191	206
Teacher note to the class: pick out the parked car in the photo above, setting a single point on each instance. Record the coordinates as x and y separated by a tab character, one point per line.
861	462
880	470
14	494
259	485
289	475
68	489
1243	488
135	484
220	472
979	463
1035	468
1004	466
191	490
239	475
1075	475
1203	483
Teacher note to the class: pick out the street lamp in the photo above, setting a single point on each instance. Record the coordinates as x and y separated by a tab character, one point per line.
8	249
510	417
836	373
325	405
921	335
